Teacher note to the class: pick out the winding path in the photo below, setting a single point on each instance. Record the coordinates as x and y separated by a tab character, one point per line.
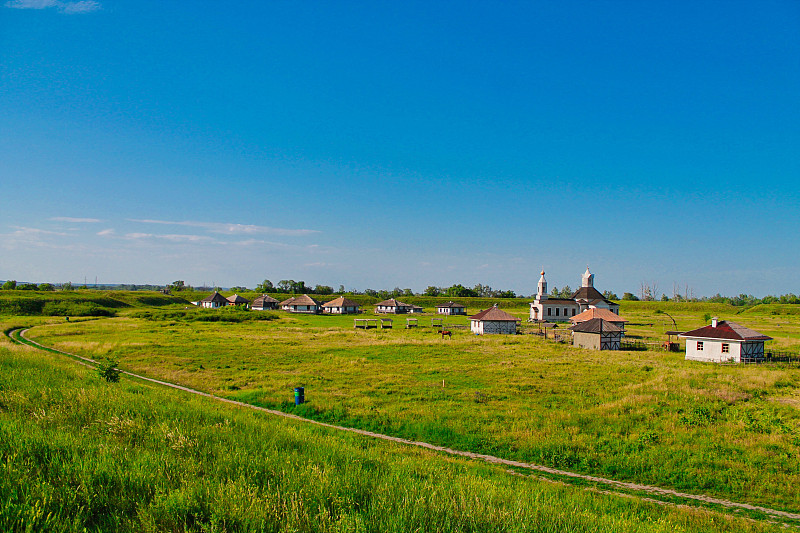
649	489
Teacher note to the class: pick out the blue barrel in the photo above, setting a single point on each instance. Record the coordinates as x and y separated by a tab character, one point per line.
299	395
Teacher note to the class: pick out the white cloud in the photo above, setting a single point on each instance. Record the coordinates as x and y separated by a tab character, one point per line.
227	228
106	232
76	220
69	8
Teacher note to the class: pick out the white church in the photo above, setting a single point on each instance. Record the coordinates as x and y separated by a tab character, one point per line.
562	309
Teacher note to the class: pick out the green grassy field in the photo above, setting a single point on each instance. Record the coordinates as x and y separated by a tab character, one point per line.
648	417
80	454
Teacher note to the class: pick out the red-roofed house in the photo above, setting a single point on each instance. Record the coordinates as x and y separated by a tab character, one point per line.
724	341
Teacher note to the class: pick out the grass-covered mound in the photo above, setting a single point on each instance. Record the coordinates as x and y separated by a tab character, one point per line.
80	454
80	302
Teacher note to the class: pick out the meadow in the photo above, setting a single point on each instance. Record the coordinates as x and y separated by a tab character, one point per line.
80	454
647	417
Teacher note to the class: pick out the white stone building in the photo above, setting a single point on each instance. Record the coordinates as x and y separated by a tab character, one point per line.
493	321
563	309
451	308
341	306
724	341
214	301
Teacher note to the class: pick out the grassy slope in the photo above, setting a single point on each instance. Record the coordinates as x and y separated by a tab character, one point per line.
78	454
645	416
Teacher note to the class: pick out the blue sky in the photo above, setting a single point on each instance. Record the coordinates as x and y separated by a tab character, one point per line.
381	144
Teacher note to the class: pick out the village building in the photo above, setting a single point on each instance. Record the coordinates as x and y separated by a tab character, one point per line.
451	308
493	321
415	309
238	300
214	301
604	314
563	309
301	304
392	306
596	334
341	306
264	303
724	341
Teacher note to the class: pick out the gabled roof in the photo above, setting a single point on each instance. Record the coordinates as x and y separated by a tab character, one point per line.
287	301
391	302
594	312
341	301
303	299
237	300
264	299
588	294
727	331
216	297
451	305
494	314
596	325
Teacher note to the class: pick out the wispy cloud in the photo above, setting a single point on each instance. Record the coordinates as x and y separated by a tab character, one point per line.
68	8
172	238
76	220
106	232
227	228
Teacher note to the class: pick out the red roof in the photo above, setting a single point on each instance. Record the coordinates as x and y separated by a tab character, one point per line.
727	330
595	312
494	314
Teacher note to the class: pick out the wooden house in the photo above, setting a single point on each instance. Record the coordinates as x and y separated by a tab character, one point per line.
451	308
392	306
238	300
301	304
724	341
493	321
596	312
214	301
596	334
264	303
341	306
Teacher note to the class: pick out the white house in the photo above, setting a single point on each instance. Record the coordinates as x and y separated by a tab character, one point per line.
724	341
493	321
563	309
264	303
341	306
392	306
451	308
214	301
301	304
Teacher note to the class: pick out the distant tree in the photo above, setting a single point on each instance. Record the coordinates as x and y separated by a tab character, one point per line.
608	295
323	289
408	292
566	292
10	285
46	287
371	292
664	298
341	290
177	286
506	294
265	286
27	287
285	285
66	286
630	296
238	288
555	293
459	291
432	291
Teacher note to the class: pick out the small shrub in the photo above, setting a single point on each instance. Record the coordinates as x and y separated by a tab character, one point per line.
108	371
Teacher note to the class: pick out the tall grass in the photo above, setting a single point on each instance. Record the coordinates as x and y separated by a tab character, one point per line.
79	454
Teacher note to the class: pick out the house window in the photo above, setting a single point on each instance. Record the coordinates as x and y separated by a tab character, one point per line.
548	311
726	348
573	311
557	310
699	346
566	312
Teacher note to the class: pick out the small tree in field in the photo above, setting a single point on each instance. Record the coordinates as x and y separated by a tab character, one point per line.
10	285
108	371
